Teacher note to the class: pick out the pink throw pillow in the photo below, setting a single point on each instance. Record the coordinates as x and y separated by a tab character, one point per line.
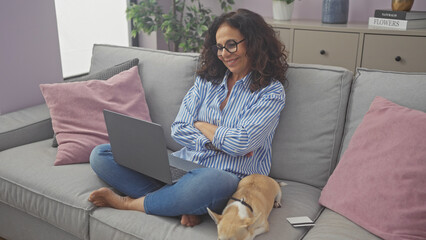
76	111
380	182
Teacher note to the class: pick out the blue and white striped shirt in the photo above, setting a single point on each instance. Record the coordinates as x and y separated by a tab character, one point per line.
247	123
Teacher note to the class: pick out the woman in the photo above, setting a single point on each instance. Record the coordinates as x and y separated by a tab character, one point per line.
226	122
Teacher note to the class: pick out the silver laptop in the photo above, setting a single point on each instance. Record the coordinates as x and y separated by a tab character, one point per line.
141	146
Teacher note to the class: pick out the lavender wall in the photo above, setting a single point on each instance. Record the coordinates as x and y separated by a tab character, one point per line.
29	52
359	10
29	46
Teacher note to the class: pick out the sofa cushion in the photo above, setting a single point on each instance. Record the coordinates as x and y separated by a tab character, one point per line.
108	224
80	126
25	126
407	89
307	140
16	224
103	75
57	195
333	226
166	77
379	182
109	72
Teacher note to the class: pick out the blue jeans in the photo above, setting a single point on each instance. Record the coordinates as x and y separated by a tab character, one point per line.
198	190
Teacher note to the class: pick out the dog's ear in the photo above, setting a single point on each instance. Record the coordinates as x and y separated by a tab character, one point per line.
216	217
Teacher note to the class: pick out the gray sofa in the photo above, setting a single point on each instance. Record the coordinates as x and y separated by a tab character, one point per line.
323	108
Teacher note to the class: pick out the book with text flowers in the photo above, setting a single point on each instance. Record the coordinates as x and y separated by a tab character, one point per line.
396	24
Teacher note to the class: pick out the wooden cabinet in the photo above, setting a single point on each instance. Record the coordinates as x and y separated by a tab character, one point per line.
353	45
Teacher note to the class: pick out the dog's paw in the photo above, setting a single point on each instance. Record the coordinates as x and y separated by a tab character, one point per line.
277	204
282	184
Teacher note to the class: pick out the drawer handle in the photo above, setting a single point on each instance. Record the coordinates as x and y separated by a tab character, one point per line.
398	58
322	52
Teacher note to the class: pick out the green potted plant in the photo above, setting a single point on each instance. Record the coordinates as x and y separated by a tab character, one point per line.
183	26
282	9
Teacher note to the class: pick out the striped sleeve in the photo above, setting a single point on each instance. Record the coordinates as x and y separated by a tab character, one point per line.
183	130
255	126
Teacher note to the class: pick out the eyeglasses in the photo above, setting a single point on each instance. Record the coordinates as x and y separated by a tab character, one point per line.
231	46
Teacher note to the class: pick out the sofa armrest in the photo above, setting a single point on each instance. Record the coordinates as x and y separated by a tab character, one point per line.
25	126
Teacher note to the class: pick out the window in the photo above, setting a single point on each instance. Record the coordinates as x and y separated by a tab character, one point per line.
82	23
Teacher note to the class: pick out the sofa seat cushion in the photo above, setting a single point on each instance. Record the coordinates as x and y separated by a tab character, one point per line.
333	226
18	225
57	195
298	200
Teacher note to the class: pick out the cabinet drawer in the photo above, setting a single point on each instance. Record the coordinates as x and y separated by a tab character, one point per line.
285	37
327	48
397	53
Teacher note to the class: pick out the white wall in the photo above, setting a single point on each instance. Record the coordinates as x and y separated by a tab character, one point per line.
81	23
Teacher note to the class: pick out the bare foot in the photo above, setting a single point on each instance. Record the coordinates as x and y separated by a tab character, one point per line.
190	220
105	197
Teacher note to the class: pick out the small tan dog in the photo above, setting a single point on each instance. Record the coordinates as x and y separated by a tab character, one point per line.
246	214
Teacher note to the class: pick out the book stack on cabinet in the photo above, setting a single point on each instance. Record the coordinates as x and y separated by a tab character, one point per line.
398	20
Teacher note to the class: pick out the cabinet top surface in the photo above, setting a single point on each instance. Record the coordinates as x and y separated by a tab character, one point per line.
350	27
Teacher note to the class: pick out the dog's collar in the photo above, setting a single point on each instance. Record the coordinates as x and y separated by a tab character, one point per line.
243	202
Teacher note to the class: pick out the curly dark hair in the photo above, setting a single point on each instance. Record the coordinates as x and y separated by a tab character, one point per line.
267	54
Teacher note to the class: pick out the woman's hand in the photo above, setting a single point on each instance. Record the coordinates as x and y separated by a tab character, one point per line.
250	154
209	130
206	129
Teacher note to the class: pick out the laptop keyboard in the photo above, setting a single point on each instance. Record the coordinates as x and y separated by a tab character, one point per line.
177	172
